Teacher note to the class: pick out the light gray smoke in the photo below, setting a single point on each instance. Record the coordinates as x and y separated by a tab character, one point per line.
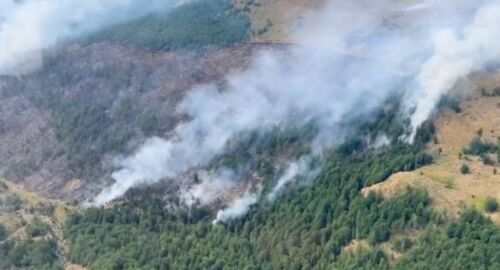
456	53
309	82
211	186
28	26
302	167
291	172
349	63
238	208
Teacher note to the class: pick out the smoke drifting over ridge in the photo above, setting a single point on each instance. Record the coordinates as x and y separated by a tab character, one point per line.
349	64
31	25
455	54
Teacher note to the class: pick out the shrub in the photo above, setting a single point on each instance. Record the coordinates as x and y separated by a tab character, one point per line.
451	102
3	186
479	132
465	169
449	184
3	233
13	203
487	160
491	205
477	147
496	91
37	228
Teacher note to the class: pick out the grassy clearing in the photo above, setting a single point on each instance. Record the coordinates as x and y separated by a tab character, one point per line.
274	20
450	190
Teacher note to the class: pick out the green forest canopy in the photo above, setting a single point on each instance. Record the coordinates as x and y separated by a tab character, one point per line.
192	25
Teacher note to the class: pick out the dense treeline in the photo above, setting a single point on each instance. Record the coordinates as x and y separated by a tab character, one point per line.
307	228
192	25
28	253
471	242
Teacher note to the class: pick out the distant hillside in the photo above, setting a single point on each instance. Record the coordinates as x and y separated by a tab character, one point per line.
190	26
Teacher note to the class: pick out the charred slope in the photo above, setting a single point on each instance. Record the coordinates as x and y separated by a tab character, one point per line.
61	126
92	102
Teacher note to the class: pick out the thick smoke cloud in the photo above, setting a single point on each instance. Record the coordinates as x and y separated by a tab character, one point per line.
312	82
28	26
350	61
456	53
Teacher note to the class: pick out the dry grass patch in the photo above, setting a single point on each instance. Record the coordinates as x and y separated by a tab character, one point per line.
450	190
280	17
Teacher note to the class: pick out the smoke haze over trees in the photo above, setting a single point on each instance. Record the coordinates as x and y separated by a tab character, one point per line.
325	81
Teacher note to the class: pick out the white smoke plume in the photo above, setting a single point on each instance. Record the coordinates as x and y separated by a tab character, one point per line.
350	63
28	26
237	208
302	167
211	186
277	89
380	141
456	53
291	172
146	166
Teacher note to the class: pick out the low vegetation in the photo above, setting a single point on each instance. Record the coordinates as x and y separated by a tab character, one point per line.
478	147
465	169
484	149
491	205
37	229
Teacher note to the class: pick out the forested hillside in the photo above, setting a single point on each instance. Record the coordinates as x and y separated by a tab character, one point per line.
307	228
251	134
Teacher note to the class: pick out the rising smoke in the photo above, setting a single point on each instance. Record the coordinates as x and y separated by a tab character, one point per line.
350	61
311	82
302	167
28	26
238	208
210	187
455	54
